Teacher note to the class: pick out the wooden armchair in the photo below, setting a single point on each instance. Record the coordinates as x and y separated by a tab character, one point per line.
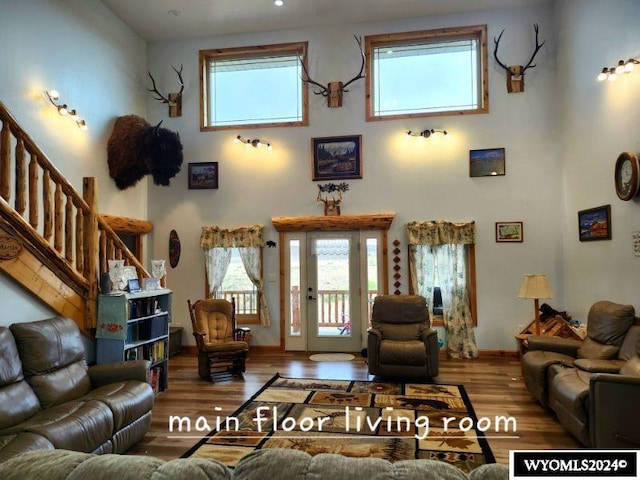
222	347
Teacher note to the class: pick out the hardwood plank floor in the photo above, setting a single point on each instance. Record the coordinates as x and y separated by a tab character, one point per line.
493	385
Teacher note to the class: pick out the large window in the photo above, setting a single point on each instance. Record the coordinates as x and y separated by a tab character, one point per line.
253	87
434	72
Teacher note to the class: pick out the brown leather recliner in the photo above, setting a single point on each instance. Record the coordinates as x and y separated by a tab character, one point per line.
401	342
593	387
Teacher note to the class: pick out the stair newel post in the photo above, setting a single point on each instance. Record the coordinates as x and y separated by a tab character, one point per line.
5	161
90	254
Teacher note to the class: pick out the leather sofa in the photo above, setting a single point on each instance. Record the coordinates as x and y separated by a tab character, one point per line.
401	342
50	399
259	465
593	386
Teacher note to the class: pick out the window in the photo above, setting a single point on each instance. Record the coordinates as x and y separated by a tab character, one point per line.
442	254
237	284
253	87
434	72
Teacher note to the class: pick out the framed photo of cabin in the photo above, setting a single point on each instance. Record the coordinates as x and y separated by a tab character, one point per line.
509	232
595	223
203	175
336	158
489	162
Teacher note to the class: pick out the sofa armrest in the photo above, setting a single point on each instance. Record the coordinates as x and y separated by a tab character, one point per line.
598	365
611	395
566	346
119	372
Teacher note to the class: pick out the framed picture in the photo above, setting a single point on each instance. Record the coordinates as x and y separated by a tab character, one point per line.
486	163
133	285
509	232
595	223
203	175
337	158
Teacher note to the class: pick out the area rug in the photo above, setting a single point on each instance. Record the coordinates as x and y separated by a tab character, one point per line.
331	357
394	421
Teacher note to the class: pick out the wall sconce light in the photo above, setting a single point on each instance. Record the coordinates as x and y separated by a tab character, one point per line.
612	73
431	132
253	142
63	109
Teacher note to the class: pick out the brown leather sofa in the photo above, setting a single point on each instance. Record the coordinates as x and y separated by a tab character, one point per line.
49	398
593	386
401	342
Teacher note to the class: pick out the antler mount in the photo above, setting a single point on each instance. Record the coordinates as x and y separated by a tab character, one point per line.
515	73
174	100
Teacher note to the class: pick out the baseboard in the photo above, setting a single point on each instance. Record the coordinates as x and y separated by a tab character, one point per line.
486	353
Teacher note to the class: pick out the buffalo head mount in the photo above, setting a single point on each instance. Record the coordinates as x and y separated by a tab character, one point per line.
136	149
515	73
334	90
174	100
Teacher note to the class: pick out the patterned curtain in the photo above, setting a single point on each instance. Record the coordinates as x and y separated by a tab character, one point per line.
439	247
217	242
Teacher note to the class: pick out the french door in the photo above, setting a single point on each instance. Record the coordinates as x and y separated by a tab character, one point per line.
330	281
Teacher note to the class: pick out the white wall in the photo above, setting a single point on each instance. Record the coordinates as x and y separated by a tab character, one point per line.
417	182
598	121
81	49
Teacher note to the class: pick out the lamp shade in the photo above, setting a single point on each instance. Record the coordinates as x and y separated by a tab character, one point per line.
535	286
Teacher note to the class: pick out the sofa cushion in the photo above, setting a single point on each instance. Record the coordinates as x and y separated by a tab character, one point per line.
18	400
596	365
398	352
632	367
53	361
399	309
593	349
12	445
608	322
79	426
630	344
127	401
570	389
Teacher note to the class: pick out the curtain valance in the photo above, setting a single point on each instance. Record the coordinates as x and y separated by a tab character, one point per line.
216	237
441	232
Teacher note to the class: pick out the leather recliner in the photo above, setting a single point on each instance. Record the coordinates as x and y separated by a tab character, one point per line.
593	386
401	342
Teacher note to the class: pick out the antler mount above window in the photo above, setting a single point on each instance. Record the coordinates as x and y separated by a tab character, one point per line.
515	73
174	100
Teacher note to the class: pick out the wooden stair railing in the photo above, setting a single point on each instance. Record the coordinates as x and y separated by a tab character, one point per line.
60	228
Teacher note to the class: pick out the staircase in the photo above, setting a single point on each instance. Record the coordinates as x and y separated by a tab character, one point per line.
53	242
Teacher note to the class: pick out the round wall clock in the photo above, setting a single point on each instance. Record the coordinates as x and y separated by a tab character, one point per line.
627	179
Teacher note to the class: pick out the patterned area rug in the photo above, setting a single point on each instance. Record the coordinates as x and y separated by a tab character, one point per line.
394	421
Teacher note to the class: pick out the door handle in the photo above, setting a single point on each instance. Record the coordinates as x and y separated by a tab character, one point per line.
311	297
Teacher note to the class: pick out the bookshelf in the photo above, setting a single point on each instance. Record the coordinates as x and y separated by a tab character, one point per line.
135	326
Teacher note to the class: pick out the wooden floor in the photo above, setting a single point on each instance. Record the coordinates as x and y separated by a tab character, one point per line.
493	385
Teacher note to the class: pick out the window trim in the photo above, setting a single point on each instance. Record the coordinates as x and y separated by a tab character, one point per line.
372	41
298	48
438	320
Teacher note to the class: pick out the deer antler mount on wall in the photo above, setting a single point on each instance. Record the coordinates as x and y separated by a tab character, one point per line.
334	90
515	73
174	100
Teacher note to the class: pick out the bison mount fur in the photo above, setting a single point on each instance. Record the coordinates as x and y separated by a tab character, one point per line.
136	149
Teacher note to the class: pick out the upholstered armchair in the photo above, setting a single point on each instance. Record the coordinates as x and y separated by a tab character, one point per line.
222	347
401	342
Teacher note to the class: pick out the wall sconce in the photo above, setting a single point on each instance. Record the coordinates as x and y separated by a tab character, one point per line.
427	133
612	73
253	142
63	109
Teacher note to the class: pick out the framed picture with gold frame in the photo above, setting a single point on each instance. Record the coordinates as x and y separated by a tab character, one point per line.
509	232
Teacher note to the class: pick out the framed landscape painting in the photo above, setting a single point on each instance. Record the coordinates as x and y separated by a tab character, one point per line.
489	162
509	232
337	158
595	223
203	175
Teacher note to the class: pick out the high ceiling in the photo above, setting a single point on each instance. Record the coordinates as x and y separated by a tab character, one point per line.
174	19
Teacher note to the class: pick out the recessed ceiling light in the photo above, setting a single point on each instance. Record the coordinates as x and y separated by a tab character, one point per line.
278	3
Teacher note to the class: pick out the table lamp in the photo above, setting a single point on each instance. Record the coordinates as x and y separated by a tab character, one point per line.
536	287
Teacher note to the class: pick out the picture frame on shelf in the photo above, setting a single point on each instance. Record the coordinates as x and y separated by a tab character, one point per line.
488	162
203	175
133	285
509	232
336	158
151	283
594	223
